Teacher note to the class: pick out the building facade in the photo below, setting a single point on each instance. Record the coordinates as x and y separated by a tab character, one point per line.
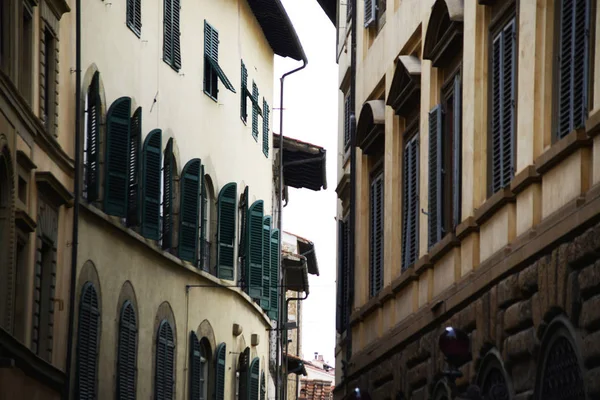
36	185
477	196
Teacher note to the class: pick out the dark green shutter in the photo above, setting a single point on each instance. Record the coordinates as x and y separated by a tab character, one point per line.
88	341
211	52
254	271
244	94
263	386
244	382
254	376
410	214
195	362
134	16
176	34
376	235
133	185
457	153
127	353
504	55
189	210
255	111
274	276
165	362
167	200
93	124
226	226
265	302
265	128
342	277
347	112
151	185
243	245
435	214
168	32
204	245
221	353
117	157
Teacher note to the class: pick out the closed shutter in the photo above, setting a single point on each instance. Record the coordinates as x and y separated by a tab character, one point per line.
133	186
220	372
504	55
274	276
243	245
457	153
376	235
189	210
254	379
204	245
227	208
343	277
93	125
127	353
168	32
211	53
88	341
370	12
244	365
265	128
151	185
176	34
117	157
195	366
347	112
263	386
255	250
435	214
167	200
165	362
244	94
255	111
410	217
573	65
265	301
134	16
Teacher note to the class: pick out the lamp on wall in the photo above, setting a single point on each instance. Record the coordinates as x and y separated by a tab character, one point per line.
456	347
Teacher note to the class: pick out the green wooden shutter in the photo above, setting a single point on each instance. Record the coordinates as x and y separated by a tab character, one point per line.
176	35
265	128
204	244
151	185
189	210
133	185
376	235
265	301
254	376
226	226
134	16
168	32
343	279
243	245
88	342
410	217
221	354
274	276
263	386
165	362
167	200
255	111
254	271
211	52
127	353
195	362
435	213
244	94
347	112
457	153
117	157
244	365
370	12
93	140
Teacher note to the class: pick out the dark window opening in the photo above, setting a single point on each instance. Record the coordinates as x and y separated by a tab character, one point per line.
22	190
49	79
26	60
210	80
43	302
376	197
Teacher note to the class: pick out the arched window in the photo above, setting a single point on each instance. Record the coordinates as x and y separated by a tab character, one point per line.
493	379
254	379
168	195
189	210
220	355
164	379
208	230
88	343
127	353
199	367
91	140
226	227
151	162
263	386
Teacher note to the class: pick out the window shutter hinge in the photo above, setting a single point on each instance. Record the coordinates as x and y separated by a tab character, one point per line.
424	212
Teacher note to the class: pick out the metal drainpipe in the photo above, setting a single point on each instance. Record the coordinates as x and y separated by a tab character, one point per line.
281	288
298	346
286	340
75	238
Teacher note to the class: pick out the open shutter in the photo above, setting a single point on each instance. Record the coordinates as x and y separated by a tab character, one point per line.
410	234
376	235
274	276
167	200
221	353
176	34
244	365
255	111
509	103
165	366
195	362
263	386
435	175
204	244
227	208
151	185
265	301
117	157
93	124
340	278
127	353
189	209
244	94
347	121
243	245
88	340
134	16
255	249
457	153
265	128
581	62
254	376
133	186
168	32
370	12
211	52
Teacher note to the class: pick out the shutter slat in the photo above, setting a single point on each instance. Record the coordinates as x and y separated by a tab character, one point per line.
165	367
133	186
204	222
266	131
176	34
347	112
168	32
265	301
151	185
189	211
195	373
410	234
274	276
117	157
227	209
88	341
93	123
435	216
457	153
220	372
243	245
255	111
244	93
244	370
376	235
370	12
127	353
254	272
167	200
254	379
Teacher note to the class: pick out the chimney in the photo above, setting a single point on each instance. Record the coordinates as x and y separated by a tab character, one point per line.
316	355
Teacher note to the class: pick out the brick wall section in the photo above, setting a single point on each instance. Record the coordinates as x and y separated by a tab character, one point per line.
315	390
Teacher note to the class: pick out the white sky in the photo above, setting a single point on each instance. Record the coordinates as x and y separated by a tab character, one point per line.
310	114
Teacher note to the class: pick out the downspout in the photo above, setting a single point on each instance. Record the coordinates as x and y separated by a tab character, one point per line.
298	313
298	299
282	291
75	238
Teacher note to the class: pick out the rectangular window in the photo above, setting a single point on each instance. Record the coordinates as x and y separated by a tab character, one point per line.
212	70
376	233
134	16
503	105
347	127
26	59
4	34
573	65
410	198
171	40
49	71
